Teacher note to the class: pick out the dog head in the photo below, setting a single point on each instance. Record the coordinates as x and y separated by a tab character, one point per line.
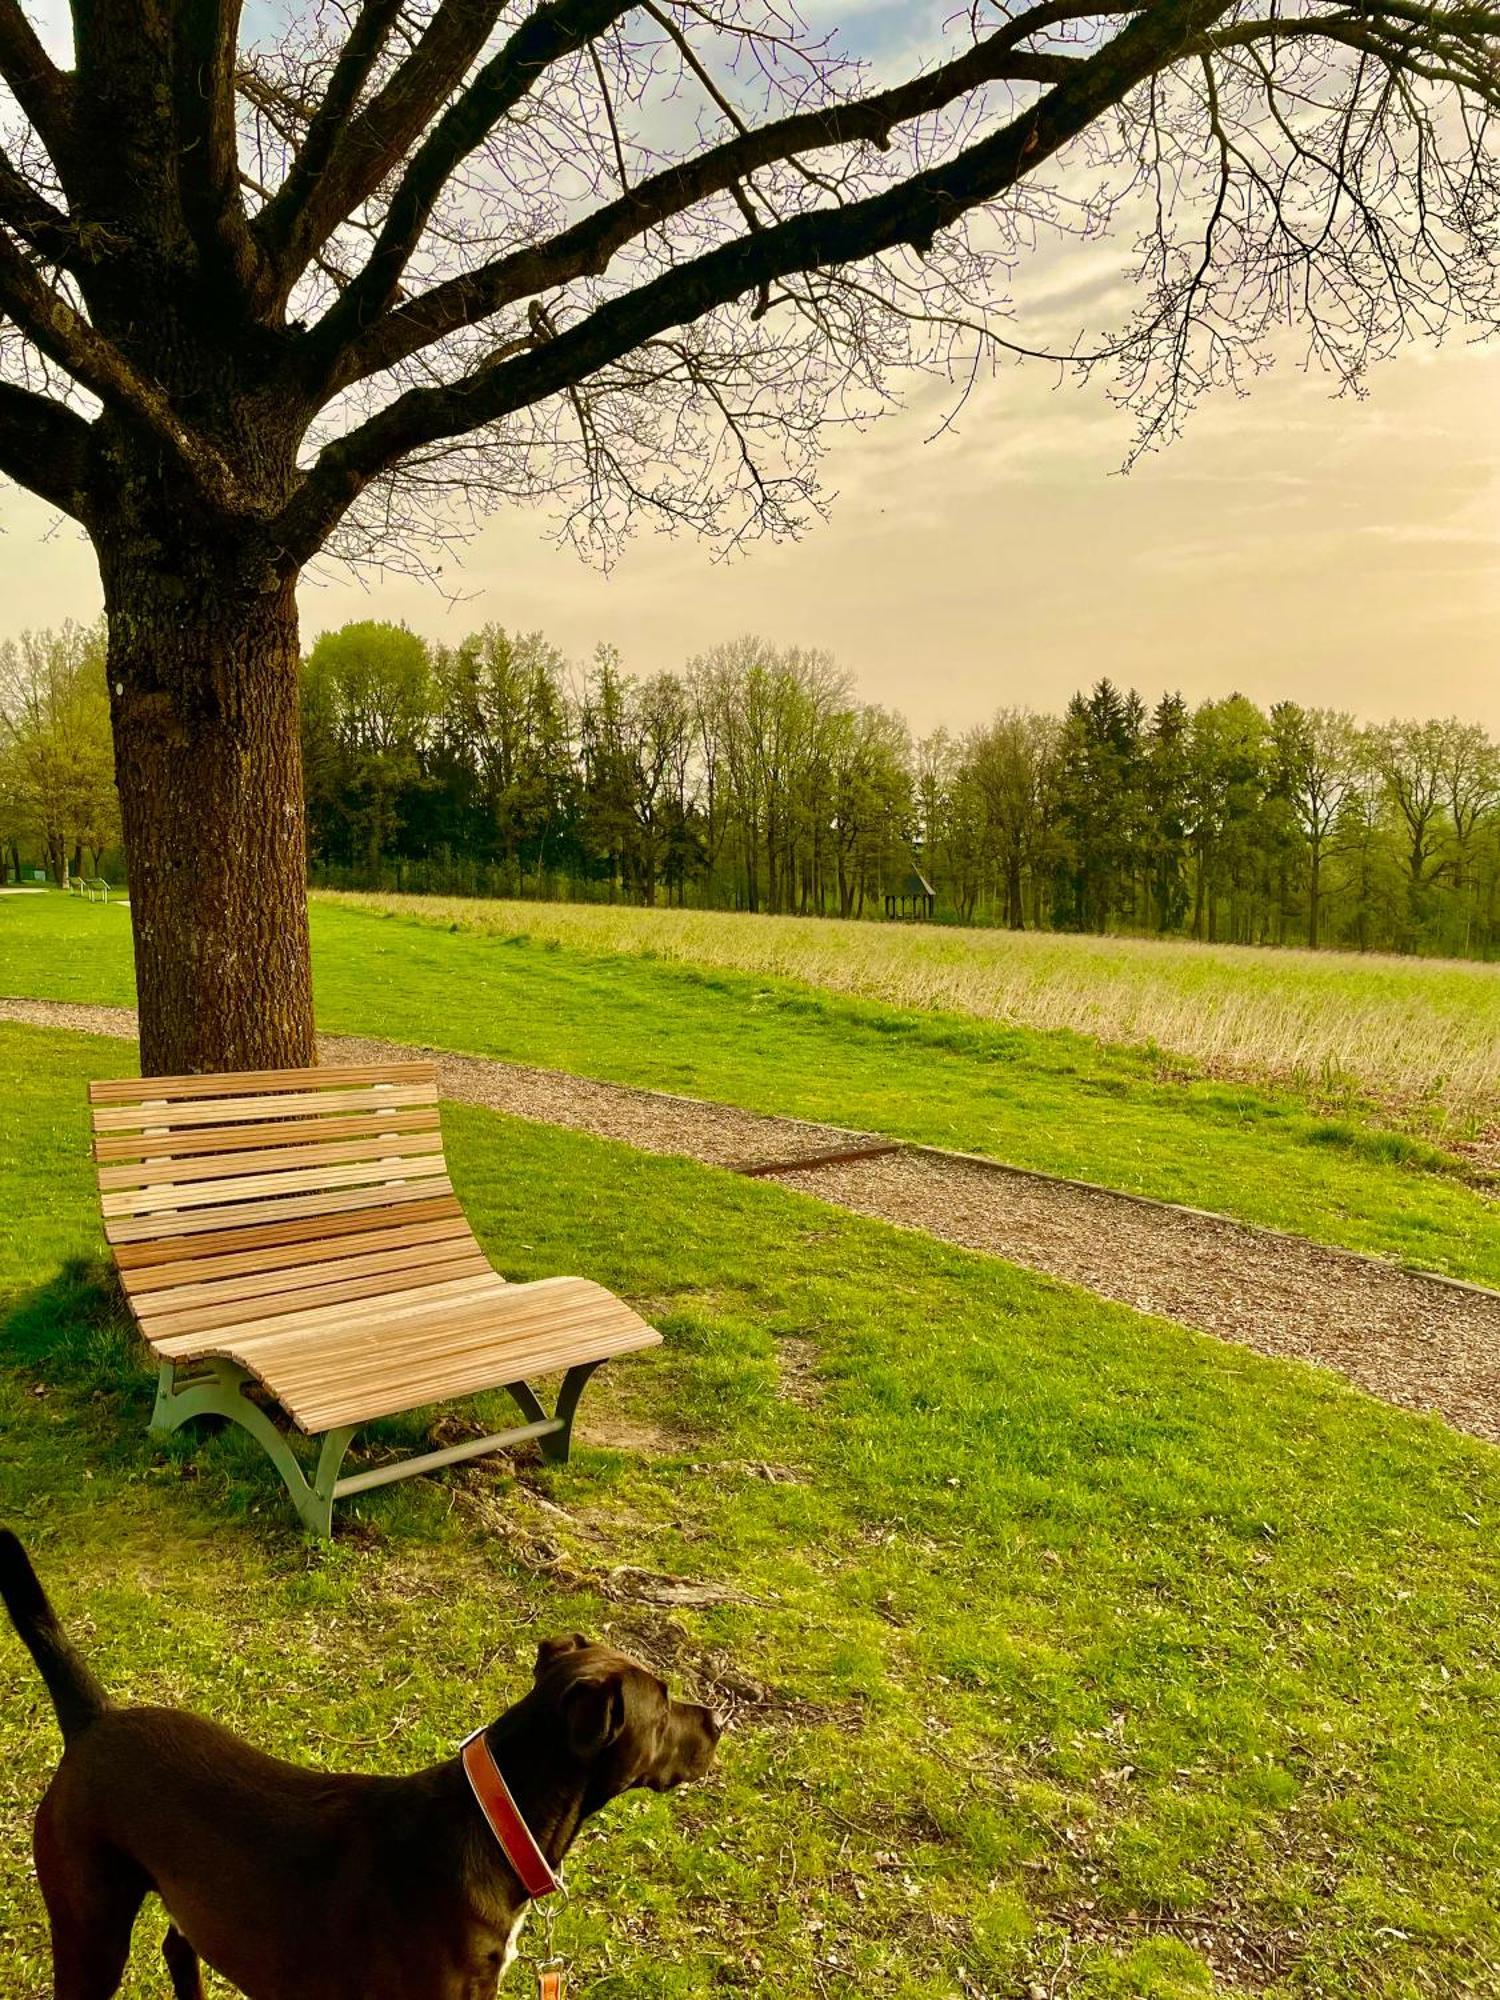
620	1721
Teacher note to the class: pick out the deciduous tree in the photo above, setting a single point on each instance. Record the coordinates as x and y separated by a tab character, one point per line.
1318	766
56	780
368	711
264	298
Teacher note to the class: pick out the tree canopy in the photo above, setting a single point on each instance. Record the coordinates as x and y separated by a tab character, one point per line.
269	291
628	255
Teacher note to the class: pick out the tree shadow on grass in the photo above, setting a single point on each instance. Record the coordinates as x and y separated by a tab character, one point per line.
76	1401
77	1388
76	1393
69	1341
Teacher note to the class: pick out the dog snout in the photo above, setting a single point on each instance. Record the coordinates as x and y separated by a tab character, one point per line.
701	1721
707	1728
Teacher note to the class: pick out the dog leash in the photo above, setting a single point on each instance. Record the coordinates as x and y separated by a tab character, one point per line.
521	1849
551	1971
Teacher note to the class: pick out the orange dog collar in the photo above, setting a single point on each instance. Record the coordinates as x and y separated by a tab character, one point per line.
517	1841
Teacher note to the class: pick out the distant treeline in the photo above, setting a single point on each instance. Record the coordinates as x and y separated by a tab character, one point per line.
59	814
754	780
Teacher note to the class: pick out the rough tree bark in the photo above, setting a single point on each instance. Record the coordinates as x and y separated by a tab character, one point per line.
203	661
208	759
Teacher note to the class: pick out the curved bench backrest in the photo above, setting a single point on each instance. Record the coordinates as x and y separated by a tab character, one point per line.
197	1174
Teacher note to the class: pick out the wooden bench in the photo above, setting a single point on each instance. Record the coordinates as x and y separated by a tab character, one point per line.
293	1236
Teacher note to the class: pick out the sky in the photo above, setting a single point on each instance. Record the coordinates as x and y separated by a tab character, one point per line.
1293	543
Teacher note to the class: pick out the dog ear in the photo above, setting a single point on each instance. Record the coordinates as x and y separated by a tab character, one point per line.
594	1707
552	1650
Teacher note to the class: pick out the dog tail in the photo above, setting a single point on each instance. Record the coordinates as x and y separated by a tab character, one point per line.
76	1695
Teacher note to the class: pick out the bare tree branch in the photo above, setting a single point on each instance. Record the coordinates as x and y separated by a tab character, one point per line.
550	193
1368	36
329	119
206	35
56	330
46	448
554	30
373	143
34	219
586	248
41	89
911	213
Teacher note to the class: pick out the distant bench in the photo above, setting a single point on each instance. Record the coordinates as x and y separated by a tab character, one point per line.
295	1233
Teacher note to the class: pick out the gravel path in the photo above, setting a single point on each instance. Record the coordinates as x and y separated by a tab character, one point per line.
720	1135
1417	1342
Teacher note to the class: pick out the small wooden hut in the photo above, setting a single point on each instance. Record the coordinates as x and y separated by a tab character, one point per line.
915	898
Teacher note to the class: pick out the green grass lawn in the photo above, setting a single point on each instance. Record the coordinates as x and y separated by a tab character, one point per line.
1054	1101
1082	1653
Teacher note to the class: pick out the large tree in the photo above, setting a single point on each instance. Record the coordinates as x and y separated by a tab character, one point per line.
261	299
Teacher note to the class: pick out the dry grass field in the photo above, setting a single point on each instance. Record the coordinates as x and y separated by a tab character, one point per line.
1419	1036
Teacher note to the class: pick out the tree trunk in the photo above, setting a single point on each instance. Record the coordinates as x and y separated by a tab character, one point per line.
1015	914
203	669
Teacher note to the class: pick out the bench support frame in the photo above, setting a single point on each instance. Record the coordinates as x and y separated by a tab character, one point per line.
218	1388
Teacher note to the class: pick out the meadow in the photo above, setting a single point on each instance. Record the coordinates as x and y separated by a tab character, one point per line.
1072	1653
1420	1037
1054	1100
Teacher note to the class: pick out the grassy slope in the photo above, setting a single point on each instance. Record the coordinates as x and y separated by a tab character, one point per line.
1417	1036
1090	1640
1052	1101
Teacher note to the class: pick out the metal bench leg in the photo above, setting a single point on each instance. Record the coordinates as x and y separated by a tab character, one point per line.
560	1443
220	1392
557	1443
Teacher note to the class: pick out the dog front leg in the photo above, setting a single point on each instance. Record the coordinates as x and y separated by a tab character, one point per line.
182	1963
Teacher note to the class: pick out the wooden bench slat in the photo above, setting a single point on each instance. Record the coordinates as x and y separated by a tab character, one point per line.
176	1197
137	1258
187	1222
286	1159
454	1295
469	1373
191	1144
360	1354
239	1110
167	1314
541	1329
447	1374
362	1347
570	1314
235	1083
144	1281
277	1282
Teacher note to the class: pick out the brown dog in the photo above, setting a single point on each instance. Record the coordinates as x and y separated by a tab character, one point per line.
301	1885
